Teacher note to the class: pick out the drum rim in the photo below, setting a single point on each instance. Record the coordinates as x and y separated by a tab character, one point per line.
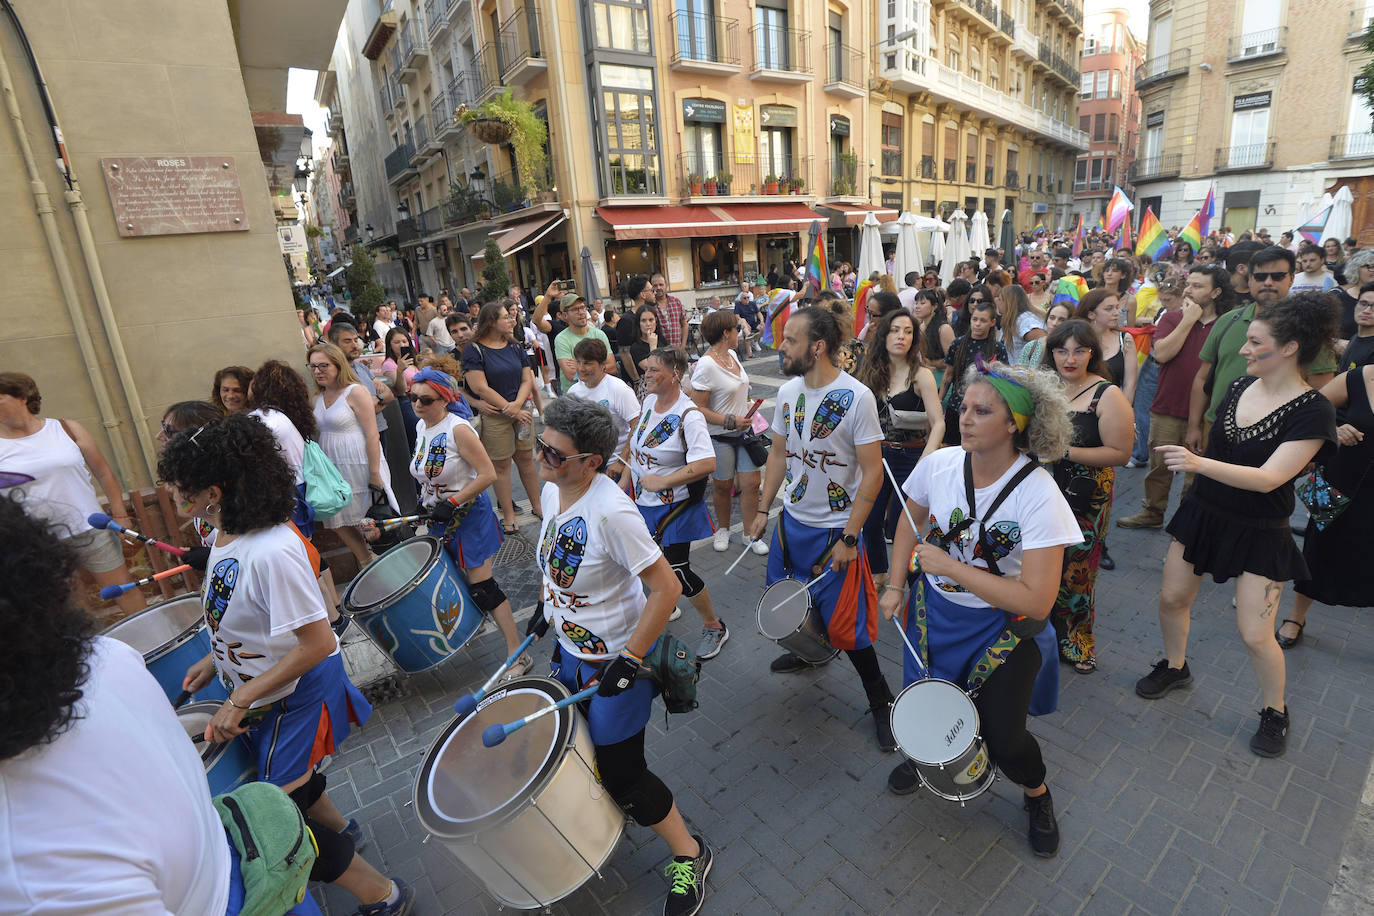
763	600
977	720
346	605
213	752
175	642
512	807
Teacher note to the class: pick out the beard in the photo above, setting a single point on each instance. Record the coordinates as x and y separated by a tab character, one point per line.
798	366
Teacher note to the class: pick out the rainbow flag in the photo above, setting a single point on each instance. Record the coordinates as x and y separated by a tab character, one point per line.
1101	224
861	305
817	269
1039	227
1123	243
1078	237
776	309
1312	229
1118	209
1152	239
1069	290
1201	223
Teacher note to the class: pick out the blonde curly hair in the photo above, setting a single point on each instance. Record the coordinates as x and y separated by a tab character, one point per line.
1048	434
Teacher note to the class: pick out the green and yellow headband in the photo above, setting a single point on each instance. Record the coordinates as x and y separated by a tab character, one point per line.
1017	395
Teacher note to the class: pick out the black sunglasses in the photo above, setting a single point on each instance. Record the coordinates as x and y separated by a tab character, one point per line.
1262	275
422	399
553	457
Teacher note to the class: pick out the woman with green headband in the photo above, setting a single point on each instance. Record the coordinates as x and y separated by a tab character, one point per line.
986	569
1104	432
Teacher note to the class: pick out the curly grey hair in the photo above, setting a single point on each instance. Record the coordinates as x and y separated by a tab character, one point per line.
1362	258
1049	433
592	428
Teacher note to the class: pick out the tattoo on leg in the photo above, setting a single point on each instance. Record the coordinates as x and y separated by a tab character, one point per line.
1273	592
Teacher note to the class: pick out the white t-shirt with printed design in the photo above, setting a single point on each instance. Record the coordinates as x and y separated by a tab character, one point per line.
617	397
259	588
657	445
437	464
823	427
1034	515
591	555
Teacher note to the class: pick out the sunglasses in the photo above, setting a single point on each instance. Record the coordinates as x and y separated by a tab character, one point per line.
553	457
422	399
973	301
1262	275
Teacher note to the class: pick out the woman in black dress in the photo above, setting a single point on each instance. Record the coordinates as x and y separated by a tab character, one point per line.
1338	567
1233	521
981	339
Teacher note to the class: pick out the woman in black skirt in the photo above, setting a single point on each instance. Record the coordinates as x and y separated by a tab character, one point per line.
1338	567
1233	521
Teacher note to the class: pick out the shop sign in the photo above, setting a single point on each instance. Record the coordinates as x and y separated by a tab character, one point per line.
707	110
778	115
1253	100
891	200
839	127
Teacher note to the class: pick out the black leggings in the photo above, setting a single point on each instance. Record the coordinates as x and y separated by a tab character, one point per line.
678	556
1002	705
626	775
336	850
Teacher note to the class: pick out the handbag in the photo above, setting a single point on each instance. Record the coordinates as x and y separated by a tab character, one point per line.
325	488
380	511
1324	502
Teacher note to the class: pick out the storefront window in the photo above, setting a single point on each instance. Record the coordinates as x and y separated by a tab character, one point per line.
716	261
632	258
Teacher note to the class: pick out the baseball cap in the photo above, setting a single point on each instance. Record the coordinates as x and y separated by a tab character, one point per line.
569	300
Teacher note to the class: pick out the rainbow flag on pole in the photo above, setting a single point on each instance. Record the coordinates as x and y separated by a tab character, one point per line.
817	269
861	294
776	308
1152	240
1101	224
1039	227
1078	237
1118	209
1201	223
1123	243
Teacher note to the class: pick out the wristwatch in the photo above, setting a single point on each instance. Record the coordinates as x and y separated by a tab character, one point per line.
849	540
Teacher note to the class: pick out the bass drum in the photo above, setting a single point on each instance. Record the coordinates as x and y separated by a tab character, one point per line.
171	636
529	817
228	765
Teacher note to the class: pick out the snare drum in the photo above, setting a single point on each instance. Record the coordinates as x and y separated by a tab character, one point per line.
936	726
788	615
528	818
171	637
228	765
414	604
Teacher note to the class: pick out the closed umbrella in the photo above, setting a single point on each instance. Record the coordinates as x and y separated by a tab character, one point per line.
979	240
1342	216
956	247
870	248
908	254
1006	239
591	287
937	246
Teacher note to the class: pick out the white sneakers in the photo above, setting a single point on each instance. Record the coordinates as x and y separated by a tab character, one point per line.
721	541
760	547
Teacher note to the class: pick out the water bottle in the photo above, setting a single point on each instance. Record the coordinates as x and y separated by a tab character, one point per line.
524	432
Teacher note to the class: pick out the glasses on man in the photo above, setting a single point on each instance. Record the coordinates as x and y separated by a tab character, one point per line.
1262	275
974	300
553	457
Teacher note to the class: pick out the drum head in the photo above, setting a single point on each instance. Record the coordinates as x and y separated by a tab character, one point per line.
934	721
159	626
464	785
194	717
783	607
389	576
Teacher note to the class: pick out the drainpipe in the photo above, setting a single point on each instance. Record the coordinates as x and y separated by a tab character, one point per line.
564	134
43	206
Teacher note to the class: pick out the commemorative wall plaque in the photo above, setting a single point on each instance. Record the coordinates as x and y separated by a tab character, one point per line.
174	195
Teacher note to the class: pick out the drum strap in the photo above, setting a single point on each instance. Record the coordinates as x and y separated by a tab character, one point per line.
831	540
992	656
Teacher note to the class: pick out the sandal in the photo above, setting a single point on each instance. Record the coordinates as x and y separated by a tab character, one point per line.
1288	642
510	528
1086	665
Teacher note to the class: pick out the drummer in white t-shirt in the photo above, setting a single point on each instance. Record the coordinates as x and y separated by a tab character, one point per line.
994	526
594	384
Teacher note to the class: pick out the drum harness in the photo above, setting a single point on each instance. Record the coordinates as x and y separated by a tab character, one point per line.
1018	627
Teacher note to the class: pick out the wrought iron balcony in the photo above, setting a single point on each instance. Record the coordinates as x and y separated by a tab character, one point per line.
844	71
1162	67
702	41
928	167
711	174
519	52
846	177
1243	158
397	163
781	53
1166	165
1257	44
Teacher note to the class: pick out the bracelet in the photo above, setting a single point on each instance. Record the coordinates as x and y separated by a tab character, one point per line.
631	656
894	588
230	701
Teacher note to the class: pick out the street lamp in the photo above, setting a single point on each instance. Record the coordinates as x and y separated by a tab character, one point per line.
477	180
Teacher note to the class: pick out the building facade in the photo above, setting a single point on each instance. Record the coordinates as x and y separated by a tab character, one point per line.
1259	98
1108	109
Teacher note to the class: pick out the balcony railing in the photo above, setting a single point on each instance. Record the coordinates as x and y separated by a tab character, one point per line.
703	39
891	163
844	68
437	12
508	195
518	46
1352	146
352	236
486	74
846	177
397	162
422	138
1248	156
1162	67
780	50
1166	165
384	99
928	168
411	45
1061	67
461	89
1257	44
441	114
718	176
1013	181
1007	23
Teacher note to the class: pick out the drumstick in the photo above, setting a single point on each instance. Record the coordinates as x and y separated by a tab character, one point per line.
101	520
387	524
493	735
181	699
914	654
906	510
749	542
111	592
466	704
823	574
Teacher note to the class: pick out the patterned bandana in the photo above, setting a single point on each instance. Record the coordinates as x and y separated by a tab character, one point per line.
1017	396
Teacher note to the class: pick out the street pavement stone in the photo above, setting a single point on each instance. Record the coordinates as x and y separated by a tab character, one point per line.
1162	807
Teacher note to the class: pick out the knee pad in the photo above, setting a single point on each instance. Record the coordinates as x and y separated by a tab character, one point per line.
309	792
691	582
487	595
646	799
335	852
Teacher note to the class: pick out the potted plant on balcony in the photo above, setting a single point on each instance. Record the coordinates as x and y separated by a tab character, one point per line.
770	183
506	119
708	186
694	184
723	180
507	195
797	184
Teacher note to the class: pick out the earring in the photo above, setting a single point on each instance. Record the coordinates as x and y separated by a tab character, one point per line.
212	509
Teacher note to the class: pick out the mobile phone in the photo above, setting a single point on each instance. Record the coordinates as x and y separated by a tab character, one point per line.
754	407
567	285
407	353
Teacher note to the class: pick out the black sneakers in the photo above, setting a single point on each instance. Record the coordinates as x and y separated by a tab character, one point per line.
1162	679
882	723
688	875
903	779
1044	829
1271	738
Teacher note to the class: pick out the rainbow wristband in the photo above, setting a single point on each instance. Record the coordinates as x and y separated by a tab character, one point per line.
626	653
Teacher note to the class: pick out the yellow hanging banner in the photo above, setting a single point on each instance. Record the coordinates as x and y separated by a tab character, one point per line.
743	120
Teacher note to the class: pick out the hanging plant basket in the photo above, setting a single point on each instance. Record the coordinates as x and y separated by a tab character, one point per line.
489	130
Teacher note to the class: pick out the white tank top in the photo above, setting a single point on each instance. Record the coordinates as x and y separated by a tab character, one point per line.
61	492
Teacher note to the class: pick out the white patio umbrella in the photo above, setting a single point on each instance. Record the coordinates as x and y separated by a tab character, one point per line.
870	248
956	247
979	240
937	245
1342	216
908	254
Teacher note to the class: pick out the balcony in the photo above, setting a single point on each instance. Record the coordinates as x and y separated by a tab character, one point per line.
701	176
340	161
426	146
1026	45
844	72
992	16
1059	66
1352	146
780	54
1158	69
334	122
384	101
703	43
928	168
508	196
461	89
346	197
398	164
486	76
847	178
519	55
1256	45
1013	181
441	110
1006	24
380	33
409	53
351	236
1244	158
1168	165
437	14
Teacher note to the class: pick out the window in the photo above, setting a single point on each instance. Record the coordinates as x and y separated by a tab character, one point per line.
995	74
951	156
835	52
631	132
622	25
952	53
701	149
716	261
696	29
1116	83
1107	168
1259	25
1151	144
1249	137
892	144
1161	41
1102	80
989	162
1080	175
1360	125
775	152
1085	123
1095	179
975	64
772	47
1099	127
1089	46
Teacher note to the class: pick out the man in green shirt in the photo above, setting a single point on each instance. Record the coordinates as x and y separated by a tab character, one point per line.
579	329
1271	276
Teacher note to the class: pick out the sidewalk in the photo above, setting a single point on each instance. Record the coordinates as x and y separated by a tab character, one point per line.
1162	806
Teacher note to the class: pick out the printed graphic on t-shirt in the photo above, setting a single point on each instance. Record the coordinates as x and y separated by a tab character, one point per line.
662	432
799	414
839	499
434	456
828	416
799	490
563	552
220	589
1002	537
583	638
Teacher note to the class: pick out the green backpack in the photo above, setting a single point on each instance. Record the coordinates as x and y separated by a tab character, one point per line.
276	850
676	670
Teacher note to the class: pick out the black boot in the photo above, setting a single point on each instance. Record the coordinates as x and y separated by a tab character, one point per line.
880	705
1043	828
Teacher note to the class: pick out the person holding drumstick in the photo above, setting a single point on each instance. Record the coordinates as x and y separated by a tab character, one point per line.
994	526
827	458
271	642
454	471
597	559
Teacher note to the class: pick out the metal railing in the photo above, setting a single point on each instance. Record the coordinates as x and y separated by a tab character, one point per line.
518	40
384	99
780	49
460	89
1360	18
1006	22
1165	165
436	13
352	236
890	162
1058	65
421	135
705	38
1257	44
846	177
1162	66
441	113
844	65
410	41
508	195
1247	156
1352	146
397	161
1013	181
928	167
486	75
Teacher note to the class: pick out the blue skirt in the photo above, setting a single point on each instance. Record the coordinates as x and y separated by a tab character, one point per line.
678	523
300	730
475	538
610	720
847	603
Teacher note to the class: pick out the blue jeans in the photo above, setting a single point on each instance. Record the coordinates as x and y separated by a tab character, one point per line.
887	508
1146	385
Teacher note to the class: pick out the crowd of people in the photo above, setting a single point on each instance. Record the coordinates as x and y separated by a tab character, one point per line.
953	462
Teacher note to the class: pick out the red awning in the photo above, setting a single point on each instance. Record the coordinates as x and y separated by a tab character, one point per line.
854	214
705	221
